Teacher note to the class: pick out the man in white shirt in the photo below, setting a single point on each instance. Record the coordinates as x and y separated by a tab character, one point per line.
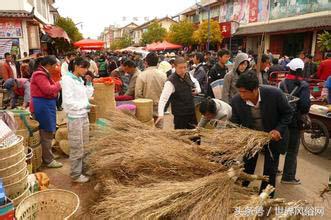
180	89
213	111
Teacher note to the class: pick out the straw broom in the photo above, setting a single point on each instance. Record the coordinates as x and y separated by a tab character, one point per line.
204	198
131	159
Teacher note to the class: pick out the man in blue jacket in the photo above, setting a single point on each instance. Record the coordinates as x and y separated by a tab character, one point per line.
262	108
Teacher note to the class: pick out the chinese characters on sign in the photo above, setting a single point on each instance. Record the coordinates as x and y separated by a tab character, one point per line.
10	29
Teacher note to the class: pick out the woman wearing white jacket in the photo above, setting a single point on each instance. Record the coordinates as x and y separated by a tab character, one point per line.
76	105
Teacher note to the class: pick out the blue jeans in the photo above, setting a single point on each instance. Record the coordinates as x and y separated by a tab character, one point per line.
290	165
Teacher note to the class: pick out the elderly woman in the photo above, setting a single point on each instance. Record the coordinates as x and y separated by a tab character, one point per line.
44	93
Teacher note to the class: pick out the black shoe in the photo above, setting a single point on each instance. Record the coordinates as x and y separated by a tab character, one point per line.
291	182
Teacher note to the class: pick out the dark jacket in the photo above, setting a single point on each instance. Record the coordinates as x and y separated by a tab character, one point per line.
310	70
215	73
181	100
303	93
275	111
276	68
200	74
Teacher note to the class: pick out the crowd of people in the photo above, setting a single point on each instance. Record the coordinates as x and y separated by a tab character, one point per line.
48	84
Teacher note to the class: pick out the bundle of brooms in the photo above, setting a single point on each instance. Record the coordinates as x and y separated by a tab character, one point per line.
147	173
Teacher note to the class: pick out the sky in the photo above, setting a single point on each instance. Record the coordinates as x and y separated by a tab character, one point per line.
97	14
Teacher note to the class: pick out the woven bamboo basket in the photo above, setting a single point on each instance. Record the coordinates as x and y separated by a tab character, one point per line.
13	169
144	111
13	149
20	117
25	134
37	158
104	99
61	134
25	194
52	204
34	140
9	161
64	146
15	177
16	189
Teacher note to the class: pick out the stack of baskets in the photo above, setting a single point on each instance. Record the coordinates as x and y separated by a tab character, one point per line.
29	129
14	172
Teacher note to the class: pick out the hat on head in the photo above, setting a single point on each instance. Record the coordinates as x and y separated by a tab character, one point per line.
295	64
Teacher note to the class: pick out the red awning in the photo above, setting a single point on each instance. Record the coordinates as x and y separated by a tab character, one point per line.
89	43
165	45
56	32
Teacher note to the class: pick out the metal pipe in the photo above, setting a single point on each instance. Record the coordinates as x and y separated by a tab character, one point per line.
208	40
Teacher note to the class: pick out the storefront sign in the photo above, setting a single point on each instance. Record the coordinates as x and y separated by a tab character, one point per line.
10	29
226	29
5	46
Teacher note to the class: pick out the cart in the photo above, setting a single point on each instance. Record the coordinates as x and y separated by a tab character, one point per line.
316	138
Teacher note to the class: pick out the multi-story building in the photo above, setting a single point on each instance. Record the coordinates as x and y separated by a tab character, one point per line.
287	26
21	22
165	22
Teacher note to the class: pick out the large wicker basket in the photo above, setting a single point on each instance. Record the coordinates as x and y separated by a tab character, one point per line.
52	204
37	158
13	149
15	177
14	190
22	196
34	139
25	134
13	169
11	160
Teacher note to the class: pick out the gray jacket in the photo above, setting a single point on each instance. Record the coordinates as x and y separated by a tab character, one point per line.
230	79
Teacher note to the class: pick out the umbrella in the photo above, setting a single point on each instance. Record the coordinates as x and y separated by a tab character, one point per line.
86	43
165	45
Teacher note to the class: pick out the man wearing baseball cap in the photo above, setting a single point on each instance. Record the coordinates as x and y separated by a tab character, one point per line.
295	85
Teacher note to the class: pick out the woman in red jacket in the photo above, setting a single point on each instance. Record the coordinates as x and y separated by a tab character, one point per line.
44	93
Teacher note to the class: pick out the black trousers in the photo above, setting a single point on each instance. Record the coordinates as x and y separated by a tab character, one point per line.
59	100
271	161
185	121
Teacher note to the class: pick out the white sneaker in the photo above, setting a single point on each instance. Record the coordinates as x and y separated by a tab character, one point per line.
81	179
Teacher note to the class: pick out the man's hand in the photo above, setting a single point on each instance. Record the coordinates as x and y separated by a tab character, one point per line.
275	135
194	92
159	119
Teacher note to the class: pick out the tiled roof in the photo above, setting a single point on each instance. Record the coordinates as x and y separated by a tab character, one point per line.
15	14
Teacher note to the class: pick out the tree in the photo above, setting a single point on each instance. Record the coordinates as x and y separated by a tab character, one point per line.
324	41
200	36
155	32
181	33
69	26
124	42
